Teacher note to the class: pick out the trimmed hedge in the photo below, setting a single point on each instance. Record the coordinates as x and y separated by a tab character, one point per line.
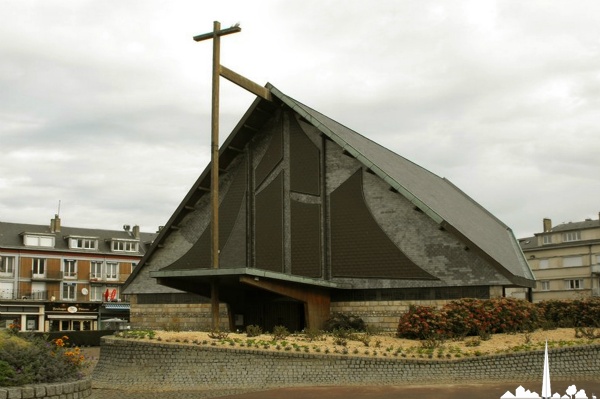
469	317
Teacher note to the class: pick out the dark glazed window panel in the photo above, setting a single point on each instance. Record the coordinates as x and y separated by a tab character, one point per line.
306	239
272	157
269	226
304	161
232	205
359	247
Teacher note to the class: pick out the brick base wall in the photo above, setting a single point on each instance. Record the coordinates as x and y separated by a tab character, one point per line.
177	317
197	316
131	364
381	314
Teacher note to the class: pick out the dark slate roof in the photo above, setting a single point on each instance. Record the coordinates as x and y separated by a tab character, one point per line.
447	205
528	243
11	237
436	196
586	224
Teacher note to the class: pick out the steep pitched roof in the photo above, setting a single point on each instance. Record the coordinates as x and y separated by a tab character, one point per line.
435	196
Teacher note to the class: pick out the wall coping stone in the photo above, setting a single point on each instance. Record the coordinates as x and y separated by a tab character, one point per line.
76	389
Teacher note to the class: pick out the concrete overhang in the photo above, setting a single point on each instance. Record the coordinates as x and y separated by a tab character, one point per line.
235	273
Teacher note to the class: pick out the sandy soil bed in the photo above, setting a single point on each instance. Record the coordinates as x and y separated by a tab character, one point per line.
381	345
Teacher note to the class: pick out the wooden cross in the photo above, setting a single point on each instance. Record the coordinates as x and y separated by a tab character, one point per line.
215	35
219	70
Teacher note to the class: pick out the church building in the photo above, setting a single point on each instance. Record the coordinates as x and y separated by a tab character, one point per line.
314	219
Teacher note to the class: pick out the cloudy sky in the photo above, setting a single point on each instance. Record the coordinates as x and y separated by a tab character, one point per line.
105	105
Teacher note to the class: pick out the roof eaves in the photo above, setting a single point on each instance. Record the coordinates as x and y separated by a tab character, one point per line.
358	155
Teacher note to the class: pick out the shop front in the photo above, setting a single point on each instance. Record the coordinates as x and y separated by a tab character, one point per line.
24	316
71	316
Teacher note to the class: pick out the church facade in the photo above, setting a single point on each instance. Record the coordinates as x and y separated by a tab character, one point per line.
316	218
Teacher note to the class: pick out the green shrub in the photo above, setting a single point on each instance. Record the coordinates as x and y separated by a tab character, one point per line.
32	360
313	334
344	321
569	313
280	332
253	331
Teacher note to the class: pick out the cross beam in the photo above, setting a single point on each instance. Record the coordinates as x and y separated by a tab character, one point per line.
215	35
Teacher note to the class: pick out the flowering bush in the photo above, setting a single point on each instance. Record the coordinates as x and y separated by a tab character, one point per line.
469	317
422	322
30	360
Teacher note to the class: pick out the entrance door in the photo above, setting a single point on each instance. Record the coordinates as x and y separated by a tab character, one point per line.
279	312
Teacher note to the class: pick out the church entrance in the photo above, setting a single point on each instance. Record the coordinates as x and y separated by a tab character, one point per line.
267	311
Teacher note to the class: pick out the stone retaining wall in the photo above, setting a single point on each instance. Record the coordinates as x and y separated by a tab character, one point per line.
71	390
144	365
381	314
183	316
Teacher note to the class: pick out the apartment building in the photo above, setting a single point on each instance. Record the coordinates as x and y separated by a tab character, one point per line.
58	278
565	260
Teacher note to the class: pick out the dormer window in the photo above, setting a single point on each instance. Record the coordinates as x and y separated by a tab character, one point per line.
76	242
124	245
38	240
572	236
547	239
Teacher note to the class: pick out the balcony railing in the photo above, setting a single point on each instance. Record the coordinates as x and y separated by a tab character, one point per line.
31	295
50	275
595	269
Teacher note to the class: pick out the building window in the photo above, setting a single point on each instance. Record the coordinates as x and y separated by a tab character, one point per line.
7	266
96	270
38	241
125	246
38	267
69	291
547	240
572	236
83	243
70	269
112	271
575	284
573	261
544	285
544	263
96	293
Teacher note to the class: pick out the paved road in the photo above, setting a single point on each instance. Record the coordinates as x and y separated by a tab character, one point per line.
467	391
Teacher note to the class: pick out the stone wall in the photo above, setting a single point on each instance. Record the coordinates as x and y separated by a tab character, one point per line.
381	314
197	316
72	390
178	317
144	365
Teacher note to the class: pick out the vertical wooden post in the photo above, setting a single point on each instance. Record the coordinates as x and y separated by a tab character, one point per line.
215	35
214	192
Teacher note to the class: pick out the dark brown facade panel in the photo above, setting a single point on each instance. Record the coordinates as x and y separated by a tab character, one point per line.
304	161
272	157
269	226
231	209
306	239
359	247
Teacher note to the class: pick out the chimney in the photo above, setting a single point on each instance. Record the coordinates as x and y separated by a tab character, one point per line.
136	232
55	224
547	225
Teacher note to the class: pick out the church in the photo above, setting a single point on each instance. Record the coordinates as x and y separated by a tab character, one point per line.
316	218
